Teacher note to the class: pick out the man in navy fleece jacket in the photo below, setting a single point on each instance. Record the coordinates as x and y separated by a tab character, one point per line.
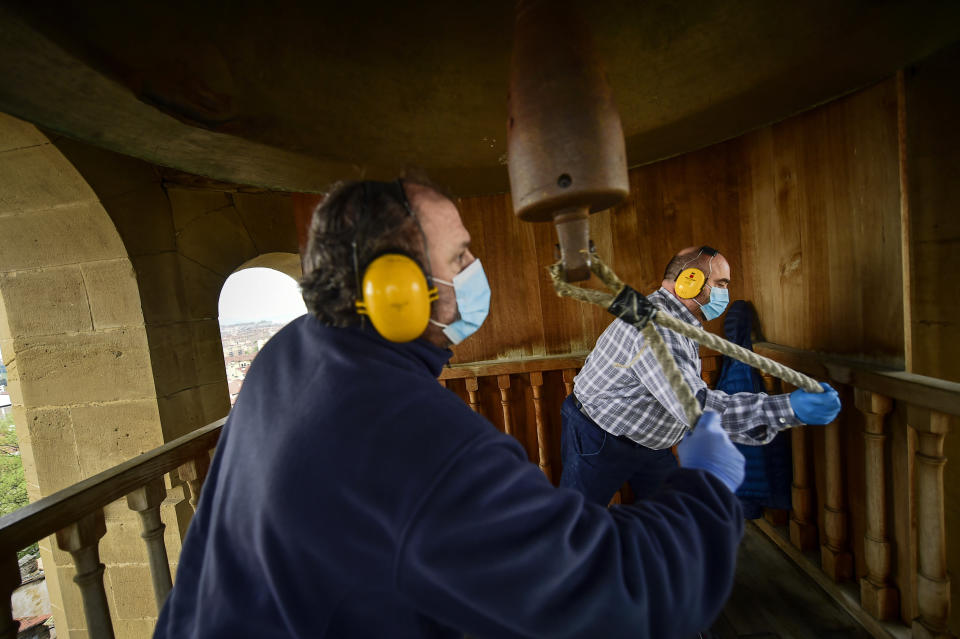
352	496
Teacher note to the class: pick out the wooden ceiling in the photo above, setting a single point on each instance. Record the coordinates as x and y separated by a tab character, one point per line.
292	95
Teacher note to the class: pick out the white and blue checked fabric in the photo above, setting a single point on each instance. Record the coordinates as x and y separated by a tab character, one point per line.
624	391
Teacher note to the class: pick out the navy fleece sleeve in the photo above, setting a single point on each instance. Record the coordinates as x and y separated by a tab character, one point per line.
495	551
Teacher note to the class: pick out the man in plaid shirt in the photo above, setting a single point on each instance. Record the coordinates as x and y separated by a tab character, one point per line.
622	418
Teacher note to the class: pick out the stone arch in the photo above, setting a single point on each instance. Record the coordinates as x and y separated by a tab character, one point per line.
218	234
283	263
286	263
184	238
110	275
73	335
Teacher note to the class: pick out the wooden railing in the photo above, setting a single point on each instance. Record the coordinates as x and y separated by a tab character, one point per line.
75	515
878	474
523	397
862	529
854	498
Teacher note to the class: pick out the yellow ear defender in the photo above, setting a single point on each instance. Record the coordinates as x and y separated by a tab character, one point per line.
690	282
394	292
395	296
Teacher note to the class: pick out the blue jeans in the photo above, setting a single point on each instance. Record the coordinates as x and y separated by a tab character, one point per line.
597	463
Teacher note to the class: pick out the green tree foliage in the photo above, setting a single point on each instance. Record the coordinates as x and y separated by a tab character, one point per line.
13	484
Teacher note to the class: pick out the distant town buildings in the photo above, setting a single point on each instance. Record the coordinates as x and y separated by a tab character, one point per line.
241	343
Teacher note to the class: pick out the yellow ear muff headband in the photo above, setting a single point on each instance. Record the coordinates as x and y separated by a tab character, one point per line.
394	291
692	280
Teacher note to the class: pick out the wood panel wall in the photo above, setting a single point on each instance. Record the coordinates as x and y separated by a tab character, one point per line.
684	201
807	211
820	240
932	105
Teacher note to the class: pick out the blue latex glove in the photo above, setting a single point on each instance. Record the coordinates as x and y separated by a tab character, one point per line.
815	408
709	448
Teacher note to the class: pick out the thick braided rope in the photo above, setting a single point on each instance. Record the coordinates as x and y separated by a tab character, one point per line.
689	402
566	289
738	353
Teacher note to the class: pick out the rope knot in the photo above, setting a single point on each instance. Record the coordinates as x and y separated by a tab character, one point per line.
632	307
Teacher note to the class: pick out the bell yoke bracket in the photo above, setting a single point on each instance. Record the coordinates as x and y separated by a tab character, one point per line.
632	307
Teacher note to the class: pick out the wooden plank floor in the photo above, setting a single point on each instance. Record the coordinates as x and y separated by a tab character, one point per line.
773	599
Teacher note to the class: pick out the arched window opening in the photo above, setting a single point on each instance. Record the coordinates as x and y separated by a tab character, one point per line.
255	303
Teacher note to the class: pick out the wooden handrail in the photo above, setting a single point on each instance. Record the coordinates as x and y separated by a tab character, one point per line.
919	390
930	405
65	507
513	366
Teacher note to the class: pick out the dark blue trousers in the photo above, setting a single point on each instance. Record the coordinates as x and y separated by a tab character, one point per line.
597	463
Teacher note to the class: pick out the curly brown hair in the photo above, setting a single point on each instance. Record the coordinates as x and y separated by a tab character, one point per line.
372	214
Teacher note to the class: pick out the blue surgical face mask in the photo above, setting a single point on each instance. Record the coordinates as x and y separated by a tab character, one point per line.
719	297
473	302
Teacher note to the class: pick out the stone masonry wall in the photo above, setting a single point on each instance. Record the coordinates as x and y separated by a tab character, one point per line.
109	287
78	356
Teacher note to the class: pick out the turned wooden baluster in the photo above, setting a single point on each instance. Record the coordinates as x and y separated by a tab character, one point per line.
568	375
770	384
708	370
194	472
146	502
835	557
543	446
933	583
503	381
803	530
473	386
82	540
877	596
9	581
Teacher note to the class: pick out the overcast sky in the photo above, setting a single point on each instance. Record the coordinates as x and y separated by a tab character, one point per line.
255	294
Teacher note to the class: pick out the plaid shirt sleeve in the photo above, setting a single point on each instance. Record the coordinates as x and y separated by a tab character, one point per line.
749	418
624	390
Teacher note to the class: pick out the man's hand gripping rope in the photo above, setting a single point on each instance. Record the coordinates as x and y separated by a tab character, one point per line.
630	306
